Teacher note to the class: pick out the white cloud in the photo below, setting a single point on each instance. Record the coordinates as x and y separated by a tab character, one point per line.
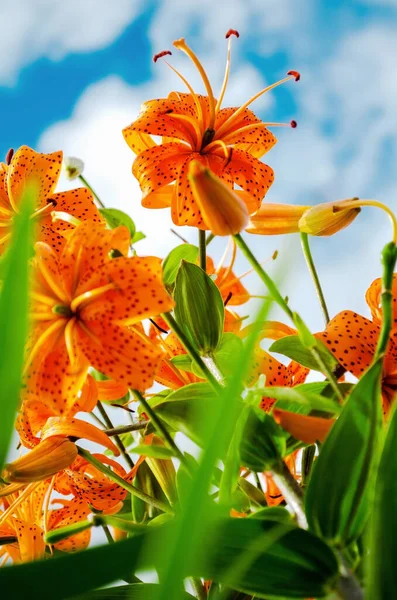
31	29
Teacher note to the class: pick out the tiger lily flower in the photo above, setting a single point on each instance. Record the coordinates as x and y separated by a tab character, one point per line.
194	127
352	339
86	311
27	167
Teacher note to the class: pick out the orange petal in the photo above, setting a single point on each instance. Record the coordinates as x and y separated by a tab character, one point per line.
76	428
30	539
274	219
250	174
231	285
373	298
73	511
88	397
161	198
247	132
110	390
28	166
352	340
275	372
302	427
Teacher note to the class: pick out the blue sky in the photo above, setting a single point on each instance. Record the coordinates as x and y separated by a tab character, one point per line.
73	74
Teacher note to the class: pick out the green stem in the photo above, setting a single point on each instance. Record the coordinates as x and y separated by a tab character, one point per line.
312	269
291	491
348	587
158	425
87	185
126	428
328	373
307	463
117	439
120	481
106	531
267	280
389	258
203	250
209	239
212	366
191	350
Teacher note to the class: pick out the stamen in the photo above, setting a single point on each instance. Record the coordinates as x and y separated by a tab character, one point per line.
59	215
225	126
53	331
51	282
26	492
294	124
81	301
181	45
220	143
228	298
295	74
199	108
9	156
69	343
161	54
42	211
232	32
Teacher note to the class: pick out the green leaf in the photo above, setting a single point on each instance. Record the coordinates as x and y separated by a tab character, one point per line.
14	318
135	591
153	451
338	496
267	557
263	442
115	218
172	262
292	347
199	309
300	397
228	352
137	237
183	362
383	548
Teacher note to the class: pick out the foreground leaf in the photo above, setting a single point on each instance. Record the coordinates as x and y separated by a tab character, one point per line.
14	318
172	262
135	591
337	499
115	218
292	347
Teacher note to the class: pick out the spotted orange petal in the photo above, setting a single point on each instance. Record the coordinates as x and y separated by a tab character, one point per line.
373	298
253	176
30	539
302	427
76	428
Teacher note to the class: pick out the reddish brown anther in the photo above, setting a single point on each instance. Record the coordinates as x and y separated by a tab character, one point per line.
9	156
232	32
161	54
294	124
295	74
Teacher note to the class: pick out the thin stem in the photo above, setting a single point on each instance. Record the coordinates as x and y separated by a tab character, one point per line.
212	366
109	536
203	249
389	258
209	239
117	439
328	373
87	185
120	481
126	428
158	425
308	455
267	280
291	492
313	272
191	350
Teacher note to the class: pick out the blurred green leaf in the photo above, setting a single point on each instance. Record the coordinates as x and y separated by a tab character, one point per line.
337	498
292	347
172	262
255	495
115	218
267	557
183	362
14	317
135	591
383	540
152	451
137	237
199	309
299	396
263	442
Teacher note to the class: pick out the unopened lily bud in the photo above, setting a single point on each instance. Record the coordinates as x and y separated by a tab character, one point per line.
222	209
73	166
48	458
275	219
328	218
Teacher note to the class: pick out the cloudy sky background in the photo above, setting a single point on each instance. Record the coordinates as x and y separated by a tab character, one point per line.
74	73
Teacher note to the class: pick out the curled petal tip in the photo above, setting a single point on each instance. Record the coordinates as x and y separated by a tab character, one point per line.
232	32
161	54
295	74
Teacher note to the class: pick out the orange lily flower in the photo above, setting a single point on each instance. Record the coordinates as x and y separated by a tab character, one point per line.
86	311
29	167
352	340
229	141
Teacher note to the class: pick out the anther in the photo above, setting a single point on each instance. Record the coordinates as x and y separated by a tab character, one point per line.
9	156
227	299
295	74
52	201
232	32
294	124
161	54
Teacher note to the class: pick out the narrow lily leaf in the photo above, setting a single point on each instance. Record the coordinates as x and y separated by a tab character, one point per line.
269	557
135	591
199	308
14	318
172	262
292	347
115	218
338	496
152	451
383	549
263	442
299	397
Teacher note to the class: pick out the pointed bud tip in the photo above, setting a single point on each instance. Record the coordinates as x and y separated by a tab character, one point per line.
232	32
161	54
295	74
